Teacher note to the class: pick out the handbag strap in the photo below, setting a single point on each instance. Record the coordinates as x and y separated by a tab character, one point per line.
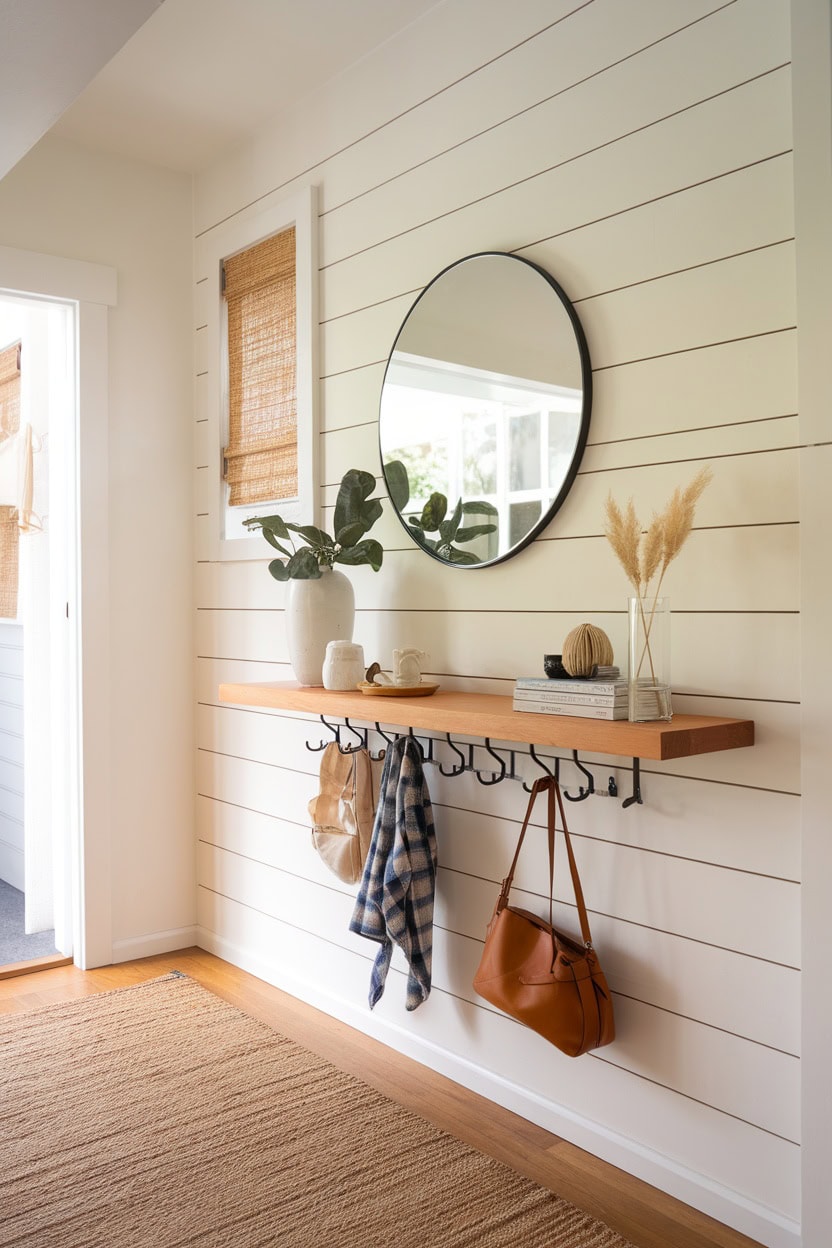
549	785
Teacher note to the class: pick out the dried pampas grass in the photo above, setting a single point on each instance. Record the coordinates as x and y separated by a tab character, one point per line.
644	555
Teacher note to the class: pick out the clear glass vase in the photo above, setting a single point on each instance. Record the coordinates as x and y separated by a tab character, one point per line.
649	660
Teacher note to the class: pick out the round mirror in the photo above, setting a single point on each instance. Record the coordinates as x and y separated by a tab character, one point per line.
484	409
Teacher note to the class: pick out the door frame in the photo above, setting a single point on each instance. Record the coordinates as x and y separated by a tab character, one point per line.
92	289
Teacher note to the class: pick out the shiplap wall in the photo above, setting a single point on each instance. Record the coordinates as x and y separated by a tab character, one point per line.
11	753
641	152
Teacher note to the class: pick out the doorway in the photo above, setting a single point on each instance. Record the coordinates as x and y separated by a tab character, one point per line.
37	436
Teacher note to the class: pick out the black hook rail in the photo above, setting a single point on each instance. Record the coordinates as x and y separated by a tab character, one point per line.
465	753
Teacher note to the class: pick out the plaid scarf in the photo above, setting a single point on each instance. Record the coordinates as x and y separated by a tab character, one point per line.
395	898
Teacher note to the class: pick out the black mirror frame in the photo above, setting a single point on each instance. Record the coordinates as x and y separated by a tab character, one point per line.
586	410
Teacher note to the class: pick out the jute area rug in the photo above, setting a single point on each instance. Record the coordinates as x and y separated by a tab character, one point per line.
158	1115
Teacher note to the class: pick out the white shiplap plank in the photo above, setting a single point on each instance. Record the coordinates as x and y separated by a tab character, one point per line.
729	909
11	745
696	900
728	440
655	1044
762	1167
647	237
704	60
530	72
737	297
695	1060
506	644
750	380
743	127
700	981
212	672
719	570
382	86
727	826
11	660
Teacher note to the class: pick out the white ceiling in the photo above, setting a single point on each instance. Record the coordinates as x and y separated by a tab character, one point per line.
199	75
50	49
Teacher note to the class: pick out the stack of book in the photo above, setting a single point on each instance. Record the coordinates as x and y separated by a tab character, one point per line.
602	697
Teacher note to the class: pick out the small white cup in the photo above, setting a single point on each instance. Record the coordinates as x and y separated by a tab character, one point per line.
343	665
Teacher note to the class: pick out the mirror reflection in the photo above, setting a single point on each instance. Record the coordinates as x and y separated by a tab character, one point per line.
484	409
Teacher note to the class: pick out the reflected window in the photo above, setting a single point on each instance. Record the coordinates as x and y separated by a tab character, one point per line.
466	433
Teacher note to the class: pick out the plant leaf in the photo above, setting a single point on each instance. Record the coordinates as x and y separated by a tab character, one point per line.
275	524
474	530
398	484
434	512
272	540
363	552
279	570
355	487
313	536
429	543
462	556
371	511
303	566
478	507
448	528
351	534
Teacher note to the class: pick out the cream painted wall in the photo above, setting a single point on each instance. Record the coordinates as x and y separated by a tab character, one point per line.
641	152
65	201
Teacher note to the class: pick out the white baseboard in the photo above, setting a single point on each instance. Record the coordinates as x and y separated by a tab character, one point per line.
697	1190
154	942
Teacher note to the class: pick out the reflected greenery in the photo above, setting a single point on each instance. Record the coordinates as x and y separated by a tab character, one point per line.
434	518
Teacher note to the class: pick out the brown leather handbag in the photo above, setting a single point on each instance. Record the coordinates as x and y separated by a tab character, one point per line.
549	981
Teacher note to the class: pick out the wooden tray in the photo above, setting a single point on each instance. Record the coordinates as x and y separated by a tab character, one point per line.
398	691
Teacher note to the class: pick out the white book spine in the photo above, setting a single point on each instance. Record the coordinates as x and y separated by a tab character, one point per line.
532	684
571	699
560	708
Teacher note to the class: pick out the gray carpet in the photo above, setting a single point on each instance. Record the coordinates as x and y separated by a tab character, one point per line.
15	945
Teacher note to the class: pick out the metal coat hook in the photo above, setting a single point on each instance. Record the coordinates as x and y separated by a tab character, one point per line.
583	793
419	745
465	754
555	775
336	732
377	758
495	777
455	771
362	740
636	794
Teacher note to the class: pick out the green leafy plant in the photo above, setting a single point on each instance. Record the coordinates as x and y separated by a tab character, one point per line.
434	518
355	515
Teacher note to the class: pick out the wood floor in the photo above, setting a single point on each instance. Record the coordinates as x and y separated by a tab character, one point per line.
647	1217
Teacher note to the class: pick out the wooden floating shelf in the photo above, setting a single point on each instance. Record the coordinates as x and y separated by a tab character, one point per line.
491	715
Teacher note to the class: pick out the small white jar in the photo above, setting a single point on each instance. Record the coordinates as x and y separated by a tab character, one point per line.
343	665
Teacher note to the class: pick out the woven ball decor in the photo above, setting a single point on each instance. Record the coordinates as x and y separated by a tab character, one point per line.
585	647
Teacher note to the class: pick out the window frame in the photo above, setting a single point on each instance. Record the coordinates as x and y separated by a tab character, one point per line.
230	541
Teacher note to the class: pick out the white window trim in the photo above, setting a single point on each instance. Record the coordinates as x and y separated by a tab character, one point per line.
229	540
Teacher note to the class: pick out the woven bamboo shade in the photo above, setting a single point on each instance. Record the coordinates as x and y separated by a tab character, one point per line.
261	459
9	532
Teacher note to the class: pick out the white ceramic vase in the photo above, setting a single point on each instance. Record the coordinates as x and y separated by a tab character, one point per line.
317	612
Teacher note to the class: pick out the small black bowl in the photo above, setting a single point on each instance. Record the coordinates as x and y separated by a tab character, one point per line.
553	667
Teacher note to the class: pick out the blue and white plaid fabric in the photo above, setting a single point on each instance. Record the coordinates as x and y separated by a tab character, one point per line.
395	898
